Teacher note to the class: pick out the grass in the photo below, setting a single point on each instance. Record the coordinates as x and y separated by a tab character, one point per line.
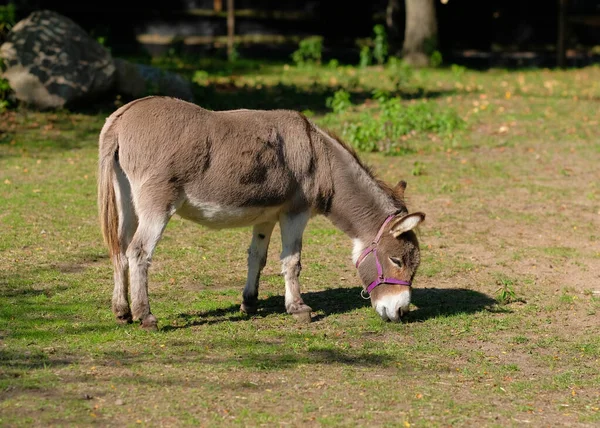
502	330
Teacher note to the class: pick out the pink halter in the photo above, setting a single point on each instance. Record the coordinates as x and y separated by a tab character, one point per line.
373	249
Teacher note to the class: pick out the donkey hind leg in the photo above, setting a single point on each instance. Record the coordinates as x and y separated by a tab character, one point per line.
257	258
127	227
139	253
292	227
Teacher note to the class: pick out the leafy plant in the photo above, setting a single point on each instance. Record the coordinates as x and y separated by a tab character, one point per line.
375	48
5	92
200	77
339	102
418	169
435	60
401	70
381	95
309	51
7	19
234	55
365	56
333	64
380	44
384	130
458	70
505	293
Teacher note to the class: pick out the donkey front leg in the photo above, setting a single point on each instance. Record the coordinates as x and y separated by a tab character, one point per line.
257	259
292	227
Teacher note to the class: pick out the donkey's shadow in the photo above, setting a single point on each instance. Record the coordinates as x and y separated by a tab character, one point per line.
435	302
429	303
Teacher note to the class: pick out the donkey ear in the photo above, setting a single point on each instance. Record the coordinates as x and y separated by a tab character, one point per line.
399	189
406	223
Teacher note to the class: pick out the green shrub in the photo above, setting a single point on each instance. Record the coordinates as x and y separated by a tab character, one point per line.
309	51
7	19
201	77
5	94
375	48
418	169
458	70
339	102
365	56
435	60
383	130
380	44
234	55
401	71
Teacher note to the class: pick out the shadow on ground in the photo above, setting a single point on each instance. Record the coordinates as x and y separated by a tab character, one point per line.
31	360
258	355
229	96
329	302
435	302
430	303
283	96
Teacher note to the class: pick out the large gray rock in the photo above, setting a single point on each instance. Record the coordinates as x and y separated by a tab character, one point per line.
138	80
52	62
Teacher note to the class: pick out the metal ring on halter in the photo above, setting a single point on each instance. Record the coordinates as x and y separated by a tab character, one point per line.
362	294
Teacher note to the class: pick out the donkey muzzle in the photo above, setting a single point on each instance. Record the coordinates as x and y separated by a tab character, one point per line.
392	304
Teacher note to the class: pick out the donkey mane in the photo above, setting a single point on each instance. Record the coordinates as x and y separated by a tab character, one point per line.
367	168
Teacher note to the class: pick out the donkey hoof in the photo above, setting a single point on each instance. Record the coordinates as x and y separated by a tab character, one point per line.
301	312
124	319
249	308
302	317
150	323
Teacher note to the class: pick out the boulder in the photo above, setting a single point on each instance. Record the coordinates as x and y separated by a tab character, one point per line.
138	80
51	62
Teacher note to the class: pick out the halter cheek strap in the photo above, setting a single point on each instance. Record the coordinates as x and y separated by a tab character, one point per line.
373	249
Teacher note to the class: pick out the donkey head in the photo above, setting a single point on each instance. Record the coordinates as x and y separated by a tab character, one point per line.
388	265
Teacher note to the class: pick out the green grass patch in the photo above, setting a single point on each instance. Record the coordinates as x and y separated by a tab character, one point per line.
502	309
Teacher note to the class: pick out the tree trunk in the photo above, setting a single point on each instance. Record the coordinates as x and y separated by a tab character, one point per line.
420	37
392	24
230	28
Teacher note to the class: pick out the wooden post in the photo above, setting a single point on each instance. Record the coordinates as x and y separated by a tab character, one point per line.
218	5
561	40
230	27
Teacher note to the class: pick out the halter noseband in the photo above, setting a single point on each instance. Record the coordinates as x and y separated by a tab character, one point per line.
372	248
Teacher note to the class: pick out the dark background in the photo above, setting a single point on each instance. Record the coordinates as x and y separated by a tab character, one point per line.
470	31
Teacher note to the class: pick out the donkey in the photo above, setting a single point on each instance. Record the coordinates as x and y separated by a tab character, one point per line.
159	156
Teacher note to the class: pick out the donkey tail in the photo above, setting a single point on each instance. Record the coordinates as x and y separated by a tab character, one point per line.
107	200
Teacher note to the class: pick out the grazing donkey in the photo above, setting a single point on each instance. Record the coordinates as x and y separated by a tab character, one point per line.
159	156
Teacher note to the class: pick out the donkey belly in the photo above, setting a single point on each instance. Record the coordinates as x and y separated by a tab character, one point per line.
219	216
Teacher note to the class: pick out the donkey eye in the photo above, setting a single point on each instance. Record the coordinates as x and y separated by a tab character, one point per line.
396	261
